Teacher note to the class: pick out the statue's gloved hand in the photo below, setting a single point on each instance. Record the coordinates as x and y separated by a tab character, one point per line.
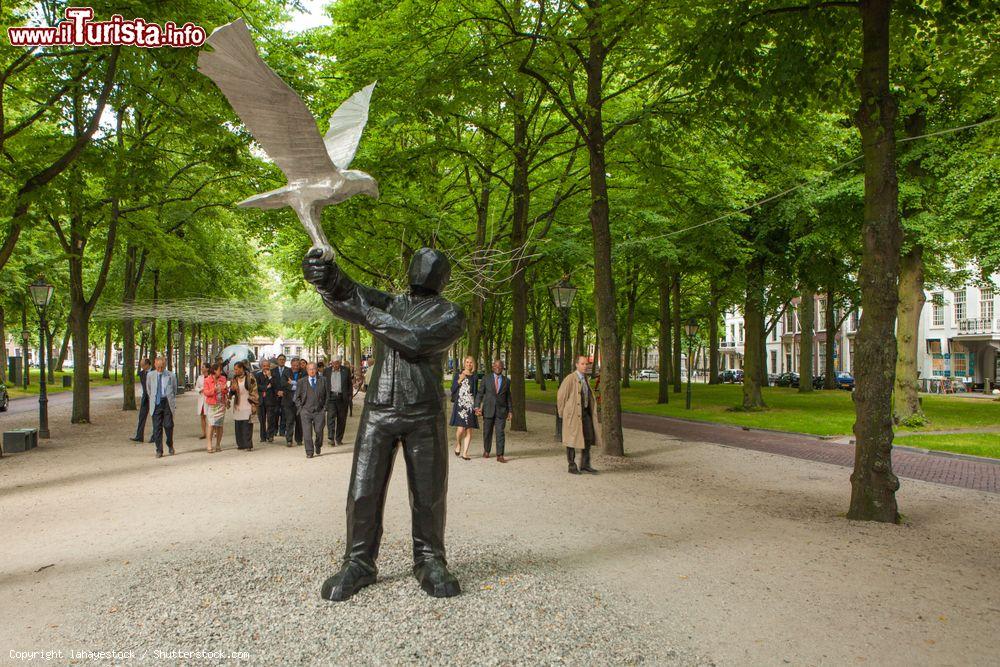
320	272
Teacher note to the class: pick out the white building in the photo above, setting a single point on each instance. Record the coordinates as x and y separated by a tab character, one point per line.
958	338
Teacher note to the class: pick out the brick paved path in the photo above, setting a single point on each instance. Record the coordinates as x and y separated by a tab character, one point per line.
942	469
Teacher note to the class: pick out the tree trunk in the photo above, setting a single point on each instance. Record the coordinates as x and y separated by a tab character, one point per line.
107	353
831	326
520	194
630	296
873	484
64	349
663	342
906	401
170	344
713	334
581	345
807	316
181	368
753	311
677	375
3	345
536	339
49	366
78	322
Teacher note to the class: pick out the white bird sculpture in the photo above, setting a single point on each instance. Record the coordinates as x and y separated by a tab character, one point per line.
315	166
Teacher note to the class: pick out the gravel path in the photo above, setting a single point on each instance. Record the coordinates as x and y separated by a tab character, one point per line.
261	598
684	552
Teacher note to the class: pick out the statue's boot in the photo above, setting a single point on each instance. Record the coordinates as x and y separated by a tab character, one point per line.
435	579
343	585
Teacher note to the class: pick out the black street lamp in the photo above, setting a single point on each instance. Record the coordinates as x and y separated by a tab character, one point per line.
25	339
562	294
41	294
690	328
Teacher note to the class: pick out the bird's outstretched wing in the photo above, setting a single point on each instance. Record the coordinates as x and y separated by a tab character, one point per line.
276	116
346	126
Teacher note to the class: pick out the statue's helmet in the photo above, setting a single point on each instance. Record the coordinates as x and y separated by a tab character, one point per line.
429	269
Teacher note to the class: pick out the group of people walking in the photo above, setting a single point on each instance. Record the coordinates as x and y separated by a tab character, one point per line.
488	398
298	401
294	401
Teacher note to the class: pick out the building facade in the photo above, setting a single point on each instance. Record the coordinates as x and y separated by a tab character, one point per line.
958	339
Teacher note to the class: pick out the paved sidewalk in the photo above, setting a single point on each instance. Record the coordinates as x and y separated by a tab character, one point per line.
942	469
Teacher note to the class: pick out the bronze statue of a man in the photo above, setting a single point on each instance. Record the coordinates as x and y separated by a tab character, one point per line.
403	406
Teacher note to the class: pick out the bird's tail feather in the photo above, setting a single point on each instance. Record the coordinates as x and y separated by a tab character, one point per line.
267	200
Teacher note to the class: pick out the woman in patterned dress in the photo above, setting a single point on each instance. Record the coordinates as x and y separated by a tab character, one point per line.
463	416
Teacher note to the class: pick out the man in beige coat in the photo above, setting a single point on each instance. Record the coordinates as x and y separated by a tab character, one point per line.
577	407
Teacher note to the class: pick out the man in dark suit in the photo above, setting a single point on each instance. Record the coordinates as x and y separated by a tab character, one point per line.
339	382
493	405
294	424
140	427
310	398
284	378
267	407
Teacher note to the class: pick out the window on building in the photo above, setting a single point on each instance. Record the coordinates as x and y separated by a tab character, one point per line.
986	303
790	320
854	320
821	315
774	333
732	332
937	299
774	361
960	305
741	332
820	362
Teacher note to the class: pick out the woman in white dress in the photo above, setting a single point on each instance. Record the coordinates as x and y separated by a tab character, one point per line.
199	386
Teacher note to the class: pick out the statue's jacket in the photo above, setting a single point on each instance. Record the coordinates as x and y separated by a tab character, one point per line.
411	335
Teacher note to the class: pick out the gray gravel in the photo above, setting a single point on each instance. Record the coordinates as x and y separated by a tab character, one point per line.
262	598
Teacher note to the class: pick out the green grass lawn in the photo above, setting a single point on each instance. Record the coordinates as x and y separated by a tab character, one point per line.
96	380
823	412
977	444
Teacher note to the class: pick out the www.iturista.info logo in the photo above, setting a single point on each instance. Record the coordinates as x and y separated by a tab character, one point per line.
78	29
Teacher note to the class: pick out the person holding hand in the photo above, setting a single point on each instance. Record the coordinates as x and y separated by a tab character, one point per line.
464	386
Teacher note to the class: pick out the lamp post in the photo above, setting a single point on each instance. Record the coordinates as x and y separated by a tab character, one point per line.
25	339
41	294
690	328
562	294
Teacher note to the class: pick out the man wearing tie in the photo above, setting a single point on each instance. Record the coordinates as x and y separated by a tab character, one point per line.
162	386
286	397
310	397
576	406
140	427
493	405
339	381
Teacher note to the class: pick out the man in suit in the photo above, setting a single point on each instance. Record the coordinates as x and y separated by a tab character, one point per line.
339	381
267	403
161	385
282	377
286	399
293	428
140	427
493	405
311	397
